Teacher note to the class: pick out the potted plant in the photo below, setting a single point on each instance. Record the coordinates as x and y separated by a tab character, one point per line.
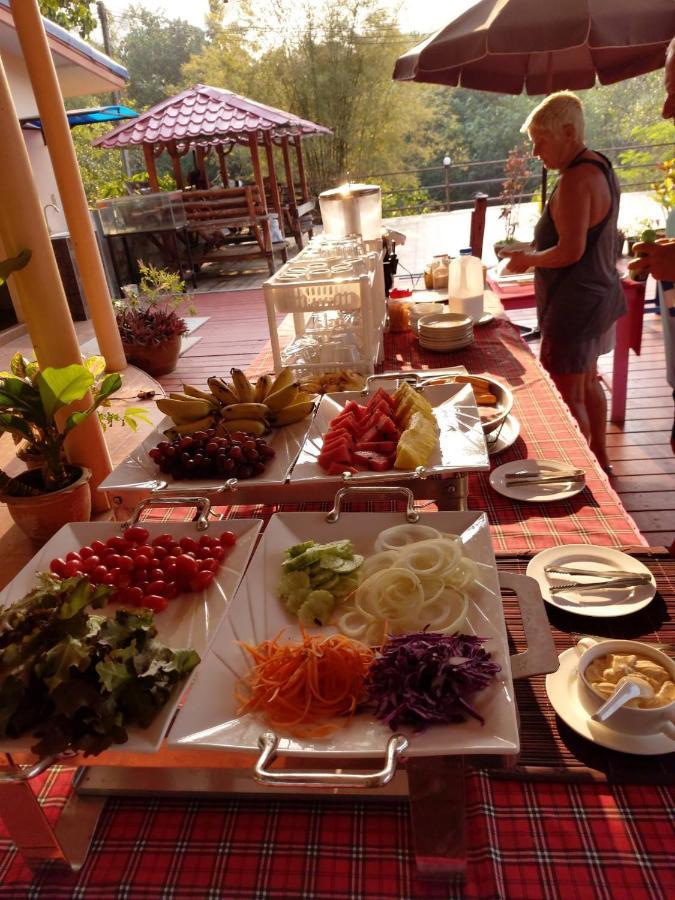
32	408
517	175
148	321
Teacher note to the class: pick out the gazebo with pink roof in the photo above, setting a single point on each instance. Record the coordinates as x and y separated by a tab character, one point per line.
204	117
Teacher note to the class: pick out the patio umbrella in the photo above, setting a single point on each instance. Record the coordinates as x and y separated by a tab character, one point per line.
506	46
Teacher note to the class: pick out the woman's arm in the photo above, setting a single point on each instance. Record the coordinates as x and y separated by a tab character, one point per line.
572	221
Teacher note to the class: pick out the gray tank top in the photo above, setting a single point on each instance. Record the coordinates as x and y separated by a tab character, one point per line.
584	299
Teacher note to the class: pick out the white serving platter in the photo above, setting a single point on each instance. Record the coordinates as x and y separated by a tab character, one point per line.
209	717
190	621
461	446
138	471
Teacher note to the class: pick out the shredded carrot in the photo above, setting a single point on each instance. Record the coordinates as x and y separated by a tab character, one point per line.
303	688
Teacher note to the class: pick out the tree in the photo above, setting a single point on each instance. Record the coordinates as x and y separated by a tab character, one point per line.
71	14
154	48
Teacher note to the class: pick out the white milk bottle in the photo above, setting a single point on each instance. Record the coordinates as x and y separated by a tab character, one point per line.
465	285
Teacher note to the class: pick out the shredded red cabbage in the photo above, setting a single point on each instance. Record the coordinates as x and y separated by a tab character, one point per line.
425	679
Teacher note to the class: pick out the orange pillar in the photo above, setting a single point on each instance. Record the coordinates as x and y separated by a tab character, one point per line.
38	59
149	154
38	285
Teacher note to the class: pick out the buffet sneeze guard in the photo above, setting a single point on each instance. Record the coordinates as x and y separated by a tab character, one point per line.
433	784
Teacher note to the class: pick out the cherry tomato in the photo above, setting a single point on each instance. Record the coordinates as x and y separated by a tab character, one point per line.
73	557
145	550
156	587
175	549
141	562
162	540
156	572
72	569
160	552
208	565
58	566
189	545
201	581
206	541
124	562
155	602
218	553
186	566
98	547
86	552
116	543
228	538
133	596
113	560
90	563
170	590
98	574
122	579
109	579
137	534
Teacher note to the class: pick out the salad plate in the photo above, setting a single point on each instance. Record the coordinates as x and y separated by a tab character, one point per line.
461	446
600	603
210	716
139	472
568	701
189	622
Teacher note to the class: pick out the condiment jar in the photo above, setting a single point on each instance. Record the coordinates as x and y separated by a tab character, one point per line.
439	272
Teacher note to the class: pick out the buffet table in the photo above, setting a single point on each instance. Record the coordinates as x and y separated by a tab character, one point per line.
628	331
571	819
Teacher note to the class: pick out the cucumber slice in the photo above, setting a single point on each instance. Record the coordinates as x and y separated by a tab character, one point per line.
297	549
292	581
294	601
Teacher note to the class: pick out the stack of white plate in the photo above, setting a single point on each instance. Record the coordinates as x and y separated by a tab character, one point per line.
445	331
418	310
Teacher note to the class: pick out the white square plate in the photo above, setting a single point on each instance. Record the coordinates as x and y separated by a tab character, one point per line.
190	621
461	446
139	471
209	717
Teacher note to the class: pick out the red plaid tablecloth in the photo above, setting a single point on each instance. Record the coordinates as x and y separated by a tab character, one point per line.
526	839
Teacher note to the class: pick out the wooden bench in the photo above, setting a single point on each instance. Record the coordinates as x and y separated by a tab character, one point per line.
241	211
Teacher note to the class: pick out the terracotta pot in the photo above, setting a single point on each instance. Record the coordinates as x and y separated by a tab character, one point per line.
156	360
41	517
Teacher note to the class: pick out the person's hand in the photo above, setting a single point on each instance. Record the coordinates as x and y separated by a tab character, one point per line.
518	260
657	259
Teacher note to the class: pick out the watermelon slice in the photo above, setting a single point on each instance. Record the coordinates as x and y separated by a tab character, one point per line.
384	447
338	469
376	462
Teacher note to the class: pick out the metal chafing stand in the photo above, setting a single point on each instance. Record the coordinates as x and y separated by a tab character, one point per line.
433	785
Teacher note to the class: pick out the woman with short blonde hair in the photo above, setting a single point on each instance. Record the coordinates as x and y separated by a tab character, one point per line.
579	295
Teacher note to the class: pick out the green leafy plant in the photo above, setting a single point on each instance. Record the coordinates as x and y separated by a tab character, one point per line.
30	403
119	187
149	317
665	189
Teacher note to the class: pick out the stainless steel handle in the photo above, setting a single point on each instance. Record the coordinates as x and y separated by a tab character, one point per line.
203	505
412	377
540	656
19	774
410	514
268	742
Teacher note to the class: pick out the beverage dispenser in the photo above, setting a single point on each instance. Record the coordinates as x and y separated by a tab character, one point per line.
352	209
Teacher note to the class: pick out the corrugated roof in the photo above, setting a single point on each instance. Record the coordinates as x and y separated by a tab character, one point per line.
206	115
77	43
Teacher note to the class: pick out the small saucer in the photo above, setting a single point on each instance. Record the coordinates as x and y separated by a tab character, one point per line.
563	691
485	319
507	436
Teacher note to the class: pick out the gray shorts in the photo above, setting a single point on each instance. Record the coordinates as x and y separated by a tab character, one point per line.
575	357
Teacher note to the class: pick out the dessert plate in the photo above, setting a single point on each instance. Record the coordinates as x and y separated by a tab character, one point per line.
601	603
535	493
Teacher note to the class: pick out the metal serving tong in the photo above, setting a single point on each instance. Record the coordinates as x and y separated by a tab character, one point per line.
544	477
608	584
597	573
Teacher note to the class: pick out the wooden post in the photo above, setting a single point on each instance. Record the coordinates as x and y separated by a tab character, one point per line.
38	285
175	162
222	163
201	164
274	184
257	173
290	185
301	168
38	59
149	154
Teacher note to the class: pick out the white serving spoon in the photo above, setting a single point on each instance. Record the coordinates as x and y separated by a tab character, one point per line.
627	688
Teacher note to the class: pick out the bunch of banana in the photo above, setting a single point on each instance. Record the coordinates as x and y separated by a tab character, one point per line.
189	412
329	382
